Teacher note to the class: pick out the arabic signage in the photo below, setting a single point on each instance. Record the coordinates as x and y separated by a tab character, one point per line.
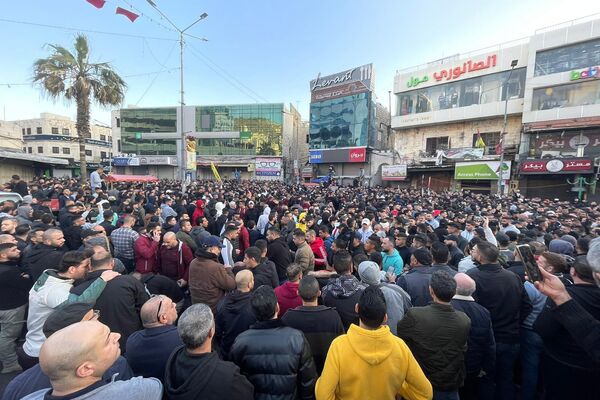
482	170
338	85
467	67
126	161
268	166
414	82
352	155
587	73
569	141
393	172
557	166
158	160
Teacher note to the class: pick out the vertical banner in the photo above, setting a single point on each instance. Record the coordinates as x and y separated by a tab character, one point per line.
190	152
215	172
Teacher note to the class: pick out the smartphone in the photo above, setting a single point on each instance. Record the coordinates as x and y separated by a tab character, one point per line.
391	270
531	267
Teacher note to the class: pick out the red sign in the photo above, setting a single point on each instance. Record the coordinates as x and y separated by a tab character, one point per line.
557	166
469	66
357	155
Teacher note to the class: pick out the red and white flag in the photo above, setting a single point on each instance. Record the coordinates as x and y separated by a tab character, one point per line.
130	15
97	3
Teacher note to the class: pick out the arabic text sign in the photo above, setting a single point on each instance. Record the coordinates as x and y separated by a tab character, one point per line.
467	67
557	166
393	172
481	170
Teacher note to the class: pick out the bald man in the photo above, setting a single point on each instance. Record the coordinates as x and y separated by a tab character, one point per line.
481	352
148	350
174	259
234	313
75	367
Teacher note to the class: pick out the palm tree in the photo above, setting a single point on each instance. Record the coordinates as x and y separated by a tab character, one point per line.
72	76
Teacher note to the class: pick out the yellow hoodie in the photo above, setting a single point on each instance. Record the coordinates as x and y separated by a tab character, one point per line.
366	364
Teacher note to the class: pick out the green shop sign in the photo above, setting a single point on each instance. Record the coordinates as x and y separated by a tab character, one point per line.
481	170
413	82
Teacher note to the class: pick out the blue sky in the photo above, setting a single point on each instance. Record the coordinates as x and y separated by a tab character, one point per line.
263	50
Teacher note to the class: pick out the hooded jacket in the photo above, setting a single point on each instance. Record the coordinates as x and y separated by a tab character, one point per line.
204	376
40	258
265	273
198	212
342	293
319	251
393	261
277	361
287	297
209	280
234	316
146	255
382	367
174	262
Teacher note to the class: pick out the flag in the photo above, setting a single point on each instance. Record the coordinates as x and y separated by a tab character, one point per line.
97	3
499	147
130	15
479	142
215	172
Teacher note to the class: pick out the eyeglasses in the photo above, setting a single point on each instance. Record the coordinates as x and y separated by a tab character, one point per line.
162	298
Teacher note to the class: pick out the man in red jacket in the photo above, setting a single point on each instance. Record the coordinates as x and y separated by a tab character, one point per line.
146	250
244	238
318	248
174	259
287	293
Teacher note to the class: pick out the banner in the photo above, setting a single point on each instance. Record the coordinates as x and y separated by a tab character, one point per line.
268	166
464	153
126	161
483	170
215	172
557	166
353	155
190	153
393	172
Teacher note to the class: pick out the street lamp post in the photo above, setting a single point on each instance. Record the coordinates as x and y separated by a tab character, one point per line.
182	157
513	64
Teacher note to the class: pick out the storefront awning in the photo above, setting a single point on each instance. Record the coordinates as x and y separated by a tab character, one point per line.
571	123
131	178
33	158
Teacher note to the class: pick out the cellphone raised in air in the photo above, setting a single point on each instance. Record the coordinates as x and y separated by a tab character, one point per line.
531	267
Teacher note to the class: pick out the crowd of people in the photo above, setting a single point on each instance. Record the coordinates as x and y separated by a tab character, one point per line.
264	290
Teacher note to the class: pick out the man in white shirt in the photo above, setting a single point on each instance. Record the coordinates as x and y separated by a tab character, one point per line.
96	179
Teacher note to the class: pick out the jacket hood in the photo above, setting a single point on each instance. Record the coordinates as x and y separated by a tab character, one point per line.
318	242
187	375
289	290
374	347
23	211
199	203
236	302
345	286
203	253
38	251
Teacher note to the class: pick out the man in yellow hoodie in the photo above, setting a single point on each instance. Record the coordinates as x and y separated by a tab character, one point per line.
369	362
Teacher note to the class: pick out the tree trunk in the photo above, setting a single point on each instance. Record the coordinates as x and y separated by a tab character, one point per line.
83	131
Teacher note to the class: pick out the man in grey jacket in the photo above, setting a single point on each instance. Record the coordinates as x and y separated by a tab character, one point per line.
76	357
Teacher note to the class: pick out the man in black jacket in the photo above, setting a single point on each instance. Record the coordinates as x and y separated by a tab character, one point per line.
416	281
46	255
14	294
274	357
320	324
501	292
264	271
234	313
437	336
278	251
455	253
194	371
480	360
121	300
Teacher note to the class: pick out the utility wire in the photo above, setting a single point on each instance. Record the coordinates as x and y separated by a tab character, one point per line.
157	74
65	28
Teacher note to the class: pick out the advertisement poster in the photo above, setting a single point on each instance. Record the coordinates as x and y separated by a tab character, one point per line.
190	152
268	166
481	170
393	172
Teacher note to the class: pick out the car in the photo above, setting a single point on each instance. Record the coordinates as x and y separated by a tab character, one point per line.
16	197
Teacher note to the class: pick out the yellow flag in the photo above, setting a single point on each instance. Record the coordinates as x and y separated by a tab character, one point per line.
479	142
215	172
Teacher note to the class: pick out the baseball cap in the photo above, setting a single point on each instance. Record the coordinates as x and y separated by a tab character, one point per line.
366	221
369	272
212	241
452	237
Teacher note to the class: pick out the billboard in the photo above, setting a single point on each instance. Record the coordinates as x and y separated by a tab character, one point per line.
353	155
352	81
268	166
393	172
481	170
557	166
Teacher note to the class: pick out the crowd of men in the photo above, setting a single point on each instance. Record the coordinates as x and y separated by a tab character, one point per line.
263	290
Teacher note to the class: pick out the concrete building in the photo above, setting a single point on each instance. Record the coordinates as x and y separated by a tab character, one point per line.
55	136
444	107
560	150
259	141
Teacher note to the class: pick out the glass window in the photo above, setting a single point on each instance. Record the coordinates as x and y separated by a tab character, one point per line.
88	153
481	90
55	150
23	130
571	95
118	122
38	130
432	145
134	122
103	138
66	150
110	138
103	155
65	131
341	122
55	131
40	149
567	58
30	150
29	131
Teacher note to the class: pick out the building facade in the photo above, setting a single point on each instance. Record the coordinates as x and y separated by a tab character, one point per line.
256	140
560	148
345	124
55	136
450	114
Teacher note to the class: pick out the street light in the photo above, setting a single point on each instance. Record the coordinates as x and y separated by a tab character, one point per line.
513	64
182	157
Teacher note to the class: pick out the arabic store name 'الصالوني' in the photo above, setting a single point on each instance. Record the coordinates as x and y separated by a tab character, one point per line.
456	72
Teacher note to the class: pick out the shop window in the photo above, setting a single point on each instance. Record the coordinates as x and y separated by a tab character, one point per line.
571	95
55	131
434	144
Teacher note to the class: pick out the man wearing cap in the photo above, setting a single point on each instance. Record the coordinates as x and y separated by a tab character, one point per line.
454	229
416	281
252	213
365	230
209	279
